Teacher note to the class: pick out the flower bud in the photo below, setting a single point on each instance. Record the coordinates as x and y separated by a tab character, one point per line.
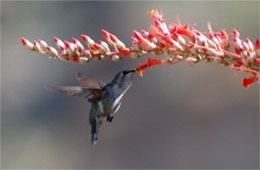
120	44
245	46
78	44
224	35
59	43
52	51
236	33
105	34
161	26
37	46
88	41
100	48
247	55
27	43
115	41
192	59
144	41
173	43
199	40
81	60
113	38
70	46
179	38
116	57
215	40
238	43
145	34
93	52
214	52
250	44
107	37
136	44
86	53
105	46
124	51
43	44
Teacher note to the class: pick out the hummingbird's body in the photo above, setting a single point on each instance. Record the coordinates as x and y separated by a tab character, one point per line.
105	99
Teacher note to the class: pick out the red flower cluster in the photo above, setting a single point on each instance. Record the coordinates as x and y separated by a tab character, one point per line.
181	42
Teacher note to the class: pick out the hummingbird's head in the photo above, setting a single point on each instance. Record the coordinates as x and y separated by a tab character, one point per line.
123	79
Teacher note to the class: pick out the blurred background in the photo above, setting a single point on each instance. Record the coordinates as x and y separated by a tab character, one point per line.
186	117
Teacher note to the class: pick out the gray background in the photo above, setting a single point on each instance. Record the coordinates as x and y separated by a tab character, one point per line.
188	117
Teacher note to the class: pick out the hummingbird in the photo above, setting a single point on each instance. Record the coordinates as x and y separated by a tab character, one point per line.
105	99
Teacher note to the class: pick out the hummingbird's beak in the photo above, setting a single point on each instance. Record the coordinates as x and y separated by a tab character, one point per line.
129	71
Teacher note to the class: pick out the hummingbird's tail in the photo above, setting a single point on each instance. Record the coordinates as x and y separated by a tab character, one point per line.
94	138
95	126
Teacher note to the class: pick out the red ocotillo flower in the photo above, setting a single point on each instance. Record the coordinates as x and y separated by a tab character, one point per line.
181	42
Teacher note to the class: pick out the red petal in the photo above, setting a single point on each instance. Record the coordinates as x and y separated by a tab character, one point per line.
249	81
153	62
141	69
140	38
125	51
185	32
75	59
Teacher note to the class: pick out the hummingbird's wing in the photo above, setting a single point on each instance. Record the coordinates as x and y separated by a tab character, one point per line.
89	82
91	94
73	91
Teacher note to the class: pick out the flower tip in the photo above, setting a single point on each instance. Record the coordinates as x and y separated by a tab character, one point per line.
48	48
97	46
113	38
56	39
135	32
236	33
105	34
67	44
24	41
74	40
84	37
27	43
137	35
